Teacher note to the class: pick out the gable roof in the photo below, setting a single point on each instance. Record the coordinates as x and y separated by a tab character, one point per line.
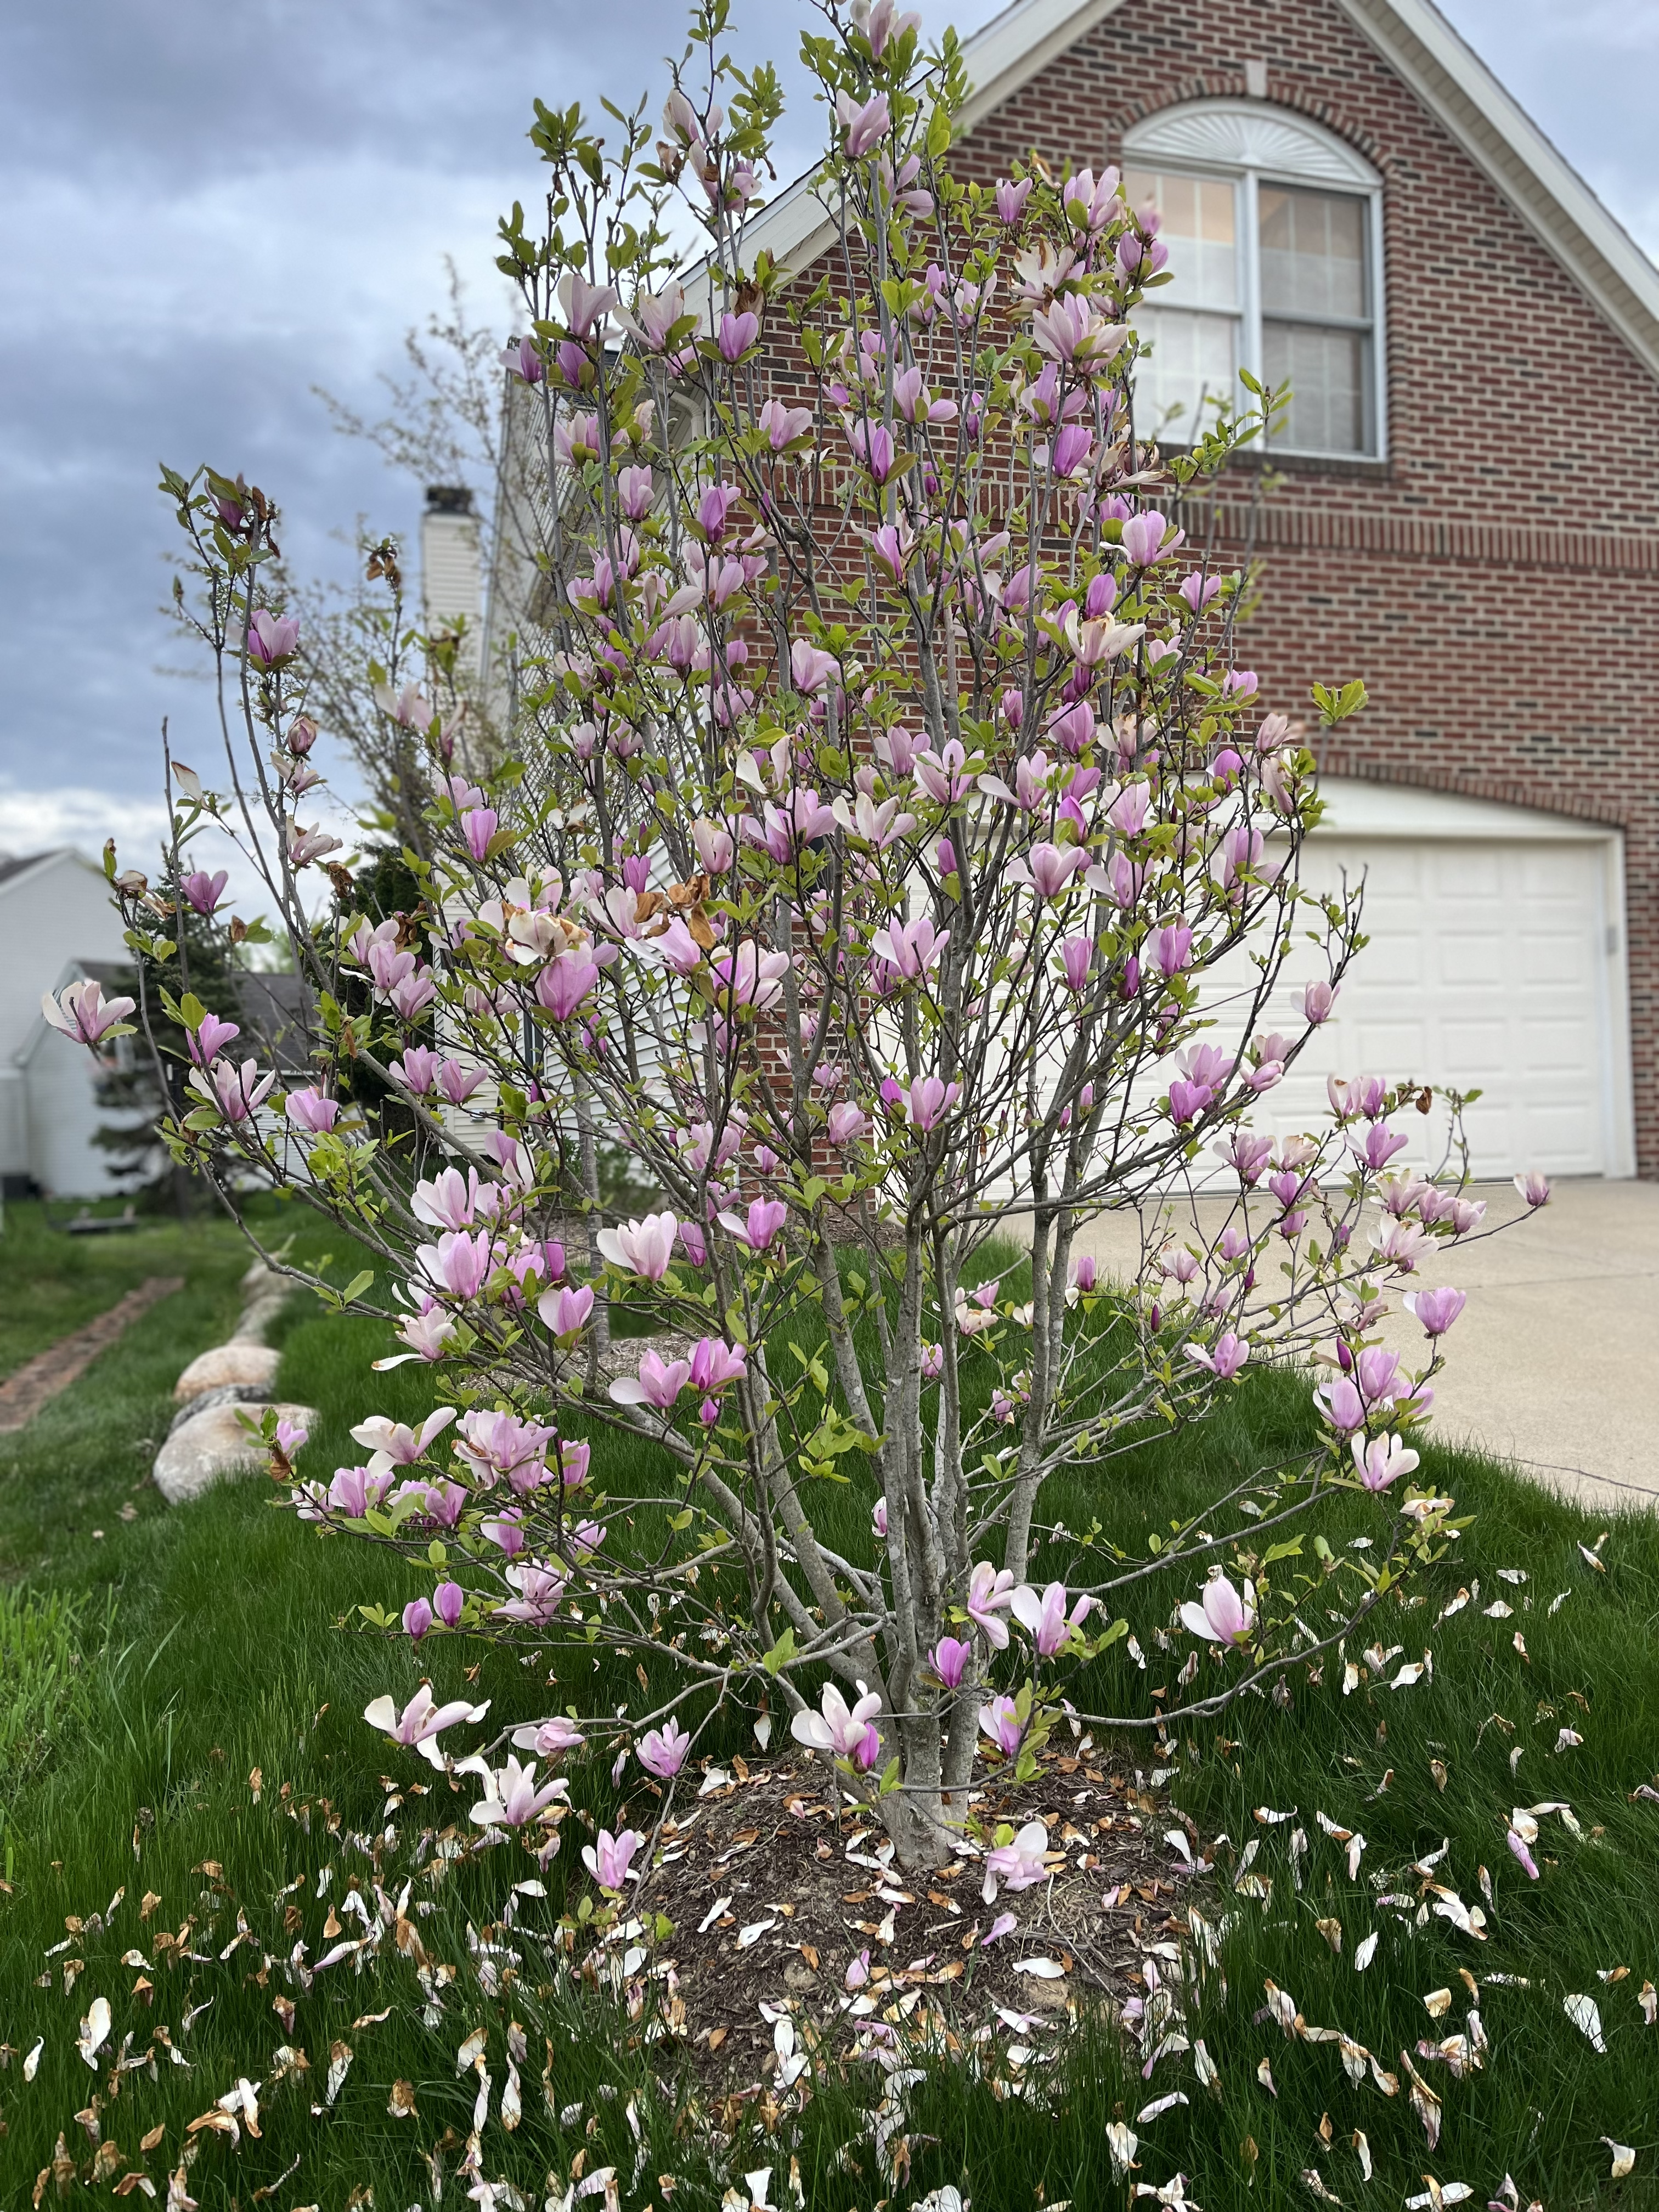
1450	80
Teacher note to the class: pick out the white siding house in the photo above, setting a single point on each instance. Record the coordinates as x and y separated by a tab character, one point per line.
56	923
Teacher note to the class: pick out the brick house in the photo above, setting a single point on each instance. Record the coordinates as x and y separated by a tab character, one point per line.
1352	203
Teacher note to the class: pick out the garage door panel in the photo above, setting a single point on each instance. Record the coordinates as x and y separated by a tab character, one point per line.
1482	972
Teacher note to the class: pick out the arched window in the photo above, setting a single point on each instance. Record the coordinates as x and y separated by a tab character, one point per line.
1275	232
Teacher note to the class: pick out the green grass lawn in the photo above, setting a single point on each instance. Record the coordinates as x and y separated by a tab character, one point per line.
183	1697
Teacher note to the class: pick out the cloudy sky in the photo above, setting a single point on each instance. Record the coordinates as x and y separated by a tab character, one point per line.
212	210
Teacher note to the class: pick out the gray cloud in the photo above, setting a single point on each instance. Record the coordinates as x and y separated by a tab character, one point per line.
211	210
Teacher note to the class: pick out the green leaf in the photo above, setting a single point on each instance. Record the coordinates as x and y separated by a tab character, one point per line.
356	1286
1291	1550
781	1654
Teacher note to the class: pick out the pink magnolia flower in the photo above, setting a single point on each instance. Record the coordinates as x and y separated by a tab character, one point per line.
498	1446
942	774
550	1739
1382	1460
565	983
810	668
1379	1145
609	1858
395	1445
478	825
933	1362
641	1248
356	1490
308	1109
864	126
1045	1618
1435	1311
783	426
422	1721
837	1728
203	891
456	1263
737	334
1172	947
448	1201
237	1092
1018	1865
566	1311
418	1619
878	1519
1068	330
272	638
449	1602
1076	955
715	1364
1000	1721
586	306
1222	1616
291	1437
1012	198
752	977
662	1752
659	1382
1049	868
1143	538
1534	1188
416	1070
210	1035
913	947
848	1122
1317	1001
950	1657
426	1332
1344	1407
765	1218
512	1798
990	1593
81	1012
929	1099
1224	1358
539	1592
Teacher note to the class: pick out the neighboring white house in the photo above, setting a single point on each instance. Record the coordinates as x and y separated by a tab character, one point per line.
56	923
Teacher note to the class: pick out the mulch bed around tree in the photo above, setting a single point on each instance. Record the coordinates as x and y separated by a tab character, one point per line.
776	1885
40	1380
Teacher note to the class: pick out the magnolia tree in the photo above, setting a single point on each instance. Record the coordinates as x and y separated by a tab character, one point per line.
897	860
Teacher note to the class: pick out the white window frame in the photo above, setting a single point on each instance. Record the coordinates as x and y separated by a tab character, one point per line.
1249	143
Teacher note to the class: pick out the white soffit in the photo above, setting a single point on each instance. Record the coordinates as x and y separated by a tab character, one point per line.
1357	808
1545	191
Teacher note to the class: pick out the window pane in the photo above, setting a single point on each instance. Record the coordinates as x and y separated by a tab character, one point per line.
1193	364
1326	371
1198	226
1312	251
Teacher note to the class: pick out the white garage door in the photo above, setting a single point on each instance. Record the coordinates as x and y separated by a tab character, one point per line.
1493	965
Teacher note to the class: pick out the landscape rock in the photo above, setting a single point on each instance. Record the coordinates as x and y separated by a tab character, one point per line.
212	1445
253	1365
264	1293
227	1394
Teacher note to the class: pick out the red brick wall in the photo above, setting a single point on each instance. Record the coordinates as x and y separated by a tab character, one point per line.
1496	581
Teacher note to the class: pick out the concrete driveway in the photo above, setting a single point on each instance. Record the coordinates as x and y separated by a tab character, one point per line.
1554	1362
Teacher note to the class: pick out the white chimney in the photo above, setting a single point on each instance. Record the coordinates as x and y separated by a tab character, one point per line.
451	583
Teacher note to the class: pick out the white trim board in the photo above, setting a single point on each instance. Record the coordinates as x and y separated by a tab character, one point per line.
1357	808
